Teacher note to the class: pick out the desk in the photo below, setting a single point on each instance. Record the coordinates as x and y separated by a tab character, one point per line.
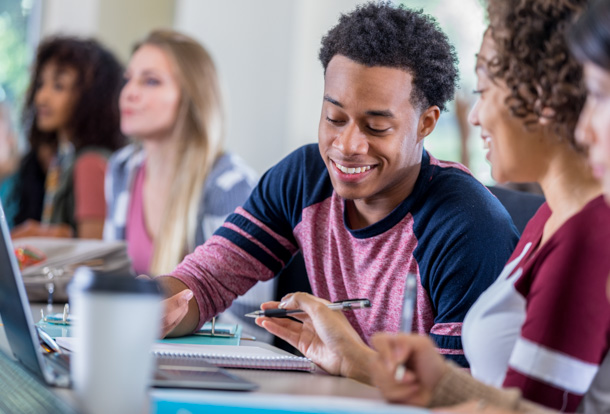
304	392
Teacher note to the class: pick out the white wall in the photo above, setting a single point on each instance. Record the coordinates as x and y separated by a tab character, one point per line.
75	17
266	54
116	23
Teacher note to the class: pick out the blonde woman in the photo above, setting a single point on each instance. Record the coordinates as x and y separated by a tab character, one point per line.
169	191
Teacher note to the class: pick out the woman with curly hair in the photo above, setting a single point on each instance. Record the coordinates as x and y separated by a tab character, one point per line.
71	113
543	328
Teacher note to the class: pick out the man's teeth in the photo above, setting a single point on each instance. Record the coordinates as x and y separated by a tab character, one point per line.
486	142
353	170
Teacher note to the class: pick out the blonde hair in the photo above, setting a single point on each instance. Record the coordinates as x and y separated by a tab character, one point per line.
199	131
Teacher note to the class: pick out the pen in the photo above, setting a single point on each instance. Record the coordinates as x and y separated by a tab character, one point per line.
408	308
349	304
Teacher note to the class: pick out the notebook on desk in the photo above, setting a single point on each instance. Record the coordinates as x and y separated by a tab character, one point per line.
53	367
226	356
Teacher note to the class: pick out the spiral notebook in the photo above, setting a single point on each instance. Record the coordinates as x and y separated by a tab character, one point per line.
225	356
249	357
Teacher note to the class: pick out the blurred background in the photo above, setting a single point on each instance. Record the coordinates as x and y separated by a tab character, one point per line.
266	54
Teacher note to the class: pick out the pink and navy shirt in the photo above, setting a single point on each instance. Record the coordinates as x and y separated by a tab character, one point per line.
450	231
544	325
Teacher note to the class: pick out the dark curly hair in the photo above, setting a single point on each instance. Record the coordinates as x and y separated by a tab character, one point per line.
380	34
589	37
95	121
533	59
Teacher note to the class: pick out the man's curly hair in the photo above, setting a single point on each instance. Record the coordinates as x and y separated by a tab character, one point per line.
380	34
533	59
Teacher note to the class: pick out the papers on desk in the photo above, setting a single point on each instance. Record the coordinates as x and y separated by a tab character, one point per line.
66	254
174	402
63	256
226	356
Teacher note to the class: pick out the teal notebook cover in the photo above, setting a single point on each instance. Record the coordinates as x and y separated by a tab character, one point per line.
206	339
55	330
232	334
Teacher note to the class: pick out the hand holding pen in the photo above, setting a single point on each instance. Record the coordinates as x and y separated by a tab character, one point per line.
321	334
407	367
424	368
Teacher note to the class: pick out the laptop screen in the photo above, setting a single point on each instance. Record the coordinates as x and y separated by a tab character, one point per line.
14	305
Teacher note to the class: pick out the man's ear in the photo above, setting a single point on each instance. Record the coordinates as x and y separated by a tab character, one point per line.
427	122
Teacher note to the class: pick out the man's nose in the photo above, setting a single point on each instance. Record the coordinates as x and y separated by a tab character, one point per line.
352	140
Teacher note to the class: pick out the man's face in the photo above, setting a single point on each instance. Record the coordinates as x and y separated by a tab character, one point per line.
369	136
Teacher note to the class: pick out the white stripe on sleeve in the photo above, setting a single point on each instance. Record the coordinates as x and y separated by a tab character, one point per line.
554	368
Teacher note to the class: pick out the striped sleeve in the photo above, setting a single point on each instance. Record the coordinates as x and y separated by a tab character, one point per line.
565	336
241	253
254	243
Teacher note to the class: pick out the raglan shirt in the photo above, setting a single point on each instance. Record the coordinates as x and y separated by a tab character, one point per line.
544	325
450	231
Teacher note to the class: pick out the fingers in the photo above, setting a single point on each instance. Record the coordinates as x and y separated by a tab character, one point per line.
270	305
393	349
304	301
286	329
175	309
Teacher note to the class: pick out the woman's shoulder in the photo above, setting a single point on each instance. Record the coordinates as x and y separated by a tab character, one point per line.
591	223
90	161
125	159
230	170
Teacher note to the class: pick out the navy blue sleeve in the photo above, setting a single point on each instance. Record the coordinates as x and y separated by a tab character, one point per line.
465	236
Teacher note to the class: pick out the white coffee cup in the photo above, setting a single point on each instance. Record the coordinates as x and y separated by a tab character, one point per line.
117	319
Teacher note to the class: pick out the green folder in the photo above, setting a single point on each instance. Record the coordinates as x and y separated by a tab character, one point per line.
225	334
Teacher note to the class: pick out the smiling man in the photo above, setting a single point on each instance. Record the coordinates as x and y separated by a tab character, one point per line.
367	205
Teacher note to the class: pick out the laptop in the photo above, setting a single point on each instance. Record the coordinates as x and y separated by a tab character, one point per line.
53	368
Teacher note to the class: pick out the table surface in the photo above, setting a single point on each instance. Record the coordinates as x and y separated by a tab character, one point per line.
295	384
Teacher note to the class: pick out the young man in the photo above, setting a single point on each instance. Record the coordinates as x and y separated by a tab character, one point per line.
368	204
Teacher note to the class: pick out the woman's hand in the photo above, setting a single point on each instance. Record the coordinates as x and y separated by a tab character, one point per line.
321	334
474	407
424	368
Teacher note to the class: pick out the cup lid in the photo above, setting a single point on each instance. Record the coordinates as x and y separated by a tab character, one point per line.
88	280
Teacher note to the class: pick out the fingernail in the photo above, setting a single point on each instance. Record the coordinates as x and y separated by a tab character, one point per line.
188	295
282	305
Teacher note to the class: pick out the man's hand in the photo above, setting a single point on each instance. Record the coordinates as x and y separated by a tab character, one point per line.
424	368
180	313
175	309
325	336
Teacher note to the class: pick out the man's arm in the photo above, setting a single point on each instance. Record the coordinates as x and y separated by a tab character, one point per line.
463	246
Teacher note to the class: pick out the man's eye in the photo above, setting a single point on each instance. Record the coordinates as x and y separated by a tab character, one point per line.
378	131
333	121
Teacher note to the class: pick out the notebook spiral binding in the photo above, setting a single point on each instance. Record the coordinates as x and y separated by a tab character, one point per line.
280	362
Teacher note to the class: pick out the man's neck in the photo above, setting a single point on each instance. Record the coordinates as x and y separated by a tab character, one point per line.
366	212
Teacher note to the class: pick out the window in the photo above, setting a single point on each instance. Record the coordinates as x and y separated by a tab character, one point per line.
464	23
19	23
